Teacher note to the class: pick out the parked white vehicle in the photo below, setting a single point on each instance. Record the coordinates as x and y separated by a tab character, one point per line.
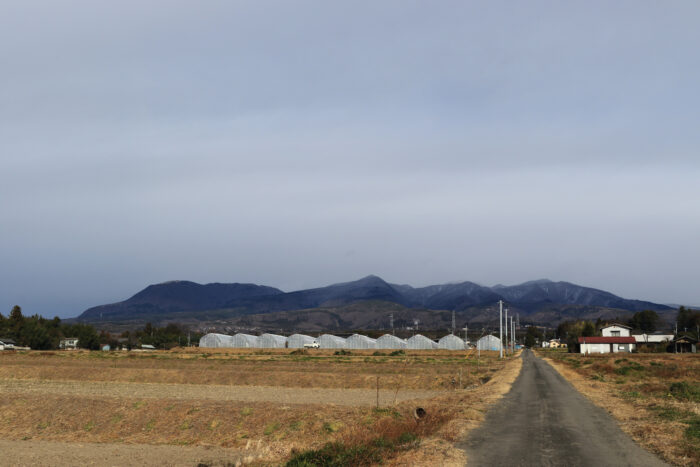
311	345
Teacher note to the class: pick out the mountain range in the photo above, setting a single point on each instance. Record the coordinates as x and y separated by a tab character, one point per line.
540	302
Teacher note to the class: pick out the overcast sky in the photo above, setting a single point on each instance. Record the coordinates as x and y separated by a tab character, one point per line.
301	143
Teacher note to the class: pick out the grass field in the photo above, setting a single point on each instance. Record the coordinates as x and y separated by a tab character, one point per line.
264	406
655	397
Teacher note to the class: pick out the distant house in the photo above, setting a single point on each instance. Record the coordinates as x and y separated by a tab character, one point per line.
653	338
69	343
616	338
615	330
7	344
684	344
554	344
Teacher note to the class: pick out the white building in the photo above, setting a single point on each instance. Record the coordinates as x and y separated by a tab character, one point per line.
214	340
329	341
358	341
68	343
420	342
653	338
7	344
489	342
451	342
616	338
615	330
243	341
271	341
298	341
389	341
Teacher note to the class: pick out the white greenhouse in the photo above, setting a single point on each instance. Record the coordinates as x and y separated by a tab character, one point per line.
329	341
388	341
271	341
451	342
243	341
489	342
297	341
358	341
420	342
214	340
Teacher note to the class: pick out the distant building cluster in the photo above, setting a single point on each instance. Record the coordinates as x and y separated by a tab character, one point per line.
329	341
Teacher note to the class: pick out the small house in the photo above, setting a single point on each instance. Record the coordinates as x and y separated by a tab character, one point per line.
69	343
606	344
684	344
7	344
615	330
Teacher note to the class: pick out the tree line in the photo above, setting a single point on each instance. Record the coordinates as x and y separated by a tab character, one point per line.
39	333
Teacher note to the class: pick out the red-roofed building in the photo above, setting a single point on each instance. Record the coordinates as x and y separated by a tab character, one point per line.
607	344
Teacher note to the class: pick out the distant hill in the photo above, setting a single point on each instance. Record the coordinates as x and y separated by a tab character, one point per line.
178	296
361	303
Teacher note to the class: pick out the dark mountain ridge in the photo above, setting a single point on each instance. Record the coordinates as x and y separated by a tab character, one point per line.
196	301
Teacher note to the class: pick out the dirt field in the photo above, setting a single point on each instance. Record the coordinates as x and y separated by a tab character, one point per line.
656	397
51	453
236	406
280	395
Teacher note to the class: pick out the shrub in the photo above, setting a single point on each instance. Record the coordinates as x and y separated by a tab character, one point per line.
693	430
683	390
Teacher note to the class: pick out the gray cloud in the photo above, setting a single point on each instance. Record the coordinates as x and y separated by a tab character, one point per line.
263	141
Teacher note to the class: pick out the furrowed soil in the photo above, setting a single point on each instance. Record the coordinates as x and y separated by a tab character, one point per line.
236	406
654	397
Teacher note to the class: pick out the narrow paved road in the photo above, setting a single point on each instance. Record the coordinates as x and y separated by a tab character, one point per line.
544	421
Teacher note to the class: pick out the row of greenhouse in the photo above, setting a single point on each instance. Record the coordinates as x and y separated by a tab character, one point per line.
356	341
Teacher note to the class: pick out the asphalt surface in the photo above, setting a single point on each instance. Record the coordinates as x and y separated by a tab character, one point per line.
544	421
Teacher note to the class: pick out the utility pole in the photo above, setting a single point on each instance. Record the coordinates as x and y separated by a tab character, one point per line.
512	334
506	325
391	319
453	321
500	325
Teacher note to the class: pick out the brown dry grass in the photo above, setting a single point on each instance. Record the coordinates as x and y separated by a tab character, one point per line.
253	367
264	429
467	410
634	388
